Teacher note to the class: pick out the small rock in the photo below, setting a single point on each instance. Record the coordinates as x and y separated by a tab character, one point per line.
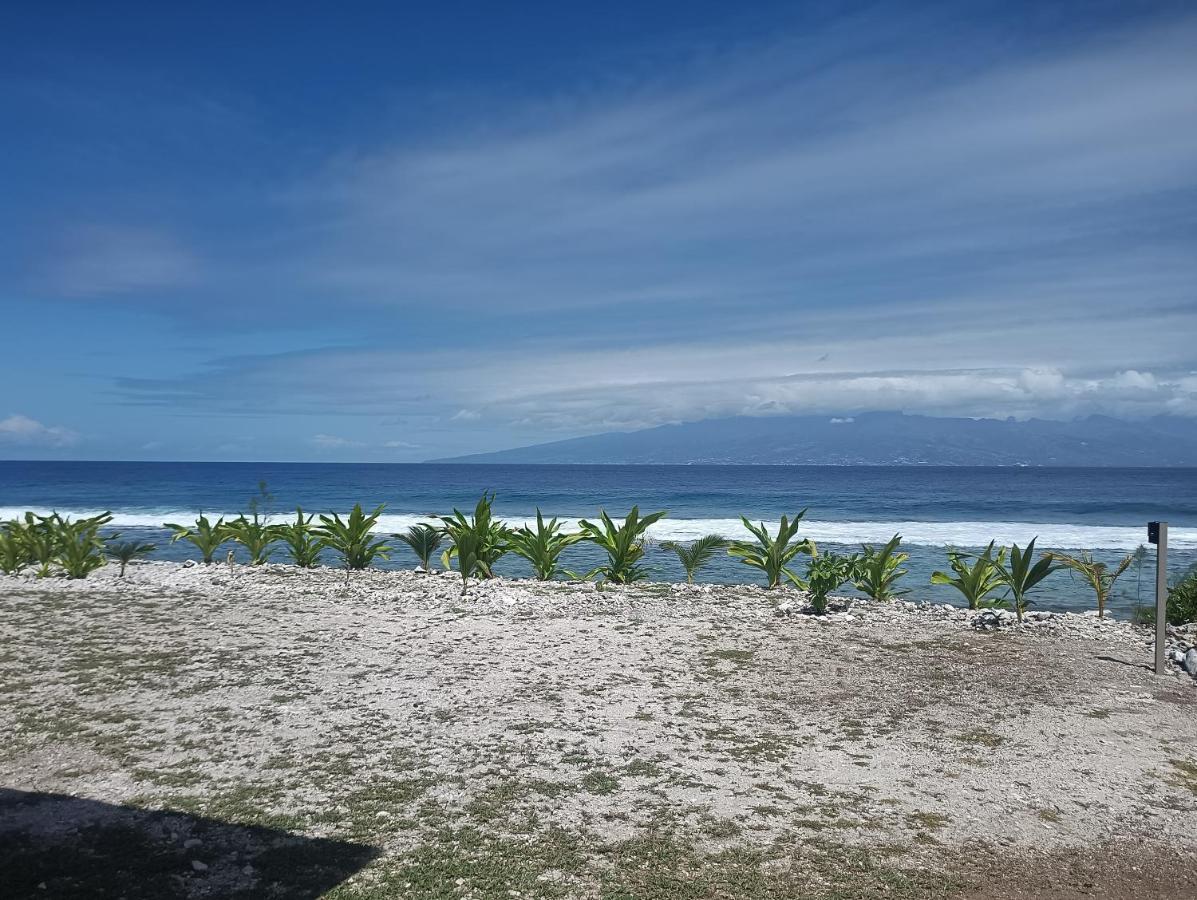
192	842
199	866
1191	662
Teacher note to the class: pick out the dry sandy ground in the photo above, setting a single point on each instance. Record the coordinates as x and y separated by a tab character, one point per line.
206	732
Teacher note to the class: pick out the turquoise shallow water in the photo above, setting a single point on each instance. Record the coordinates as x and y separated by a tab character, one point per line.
1100	509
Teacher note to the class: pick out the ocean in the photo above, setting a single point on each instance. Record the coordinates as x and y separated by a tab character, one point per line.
1103	510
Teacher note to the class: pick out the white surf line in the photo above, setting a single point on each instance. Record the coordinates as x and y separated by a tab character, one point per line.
932	534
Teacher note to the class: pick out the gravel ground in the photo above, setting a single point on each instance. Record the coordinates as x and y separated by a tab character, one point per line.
206	731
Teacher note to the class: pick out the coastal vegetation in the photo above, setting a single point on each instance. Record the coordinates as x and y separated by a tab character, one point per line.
693	555
996	577
478	542
124	552
255	534
624	545
205	535
772	554
543	547
1099	576
976	581
879	569
829	572
1020	576
301	540
423	539
352	538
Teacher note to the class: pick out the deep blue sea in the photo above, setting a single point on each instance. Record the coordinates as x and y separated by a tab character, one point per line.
1104	510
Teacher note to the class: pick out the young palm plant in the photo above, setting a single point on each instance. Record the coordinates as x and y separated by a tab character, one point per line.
976	581
14	550
624	545
879	570
125	552
80	547
542	547
1100	577
827	573
478	541
255	535
205	535
352	538
773	554
40	537
695	554
423	539
300	538
1022	574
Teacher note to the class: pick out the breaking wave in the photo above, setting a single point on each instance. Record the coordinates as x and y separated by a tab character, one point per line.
932	534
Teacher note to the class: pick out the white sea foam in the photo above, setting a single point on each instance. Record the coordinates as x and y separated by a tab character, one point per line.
934	534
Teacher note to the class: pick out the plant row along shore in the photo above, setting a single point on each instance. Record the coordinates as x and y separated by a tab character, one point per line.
995	578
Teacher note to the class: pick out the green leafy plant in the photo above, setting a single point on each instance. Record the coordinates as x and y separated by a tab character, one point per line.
255	535
205	535
14	550
693	555
40	538
1180	606
80	549
478	541
1099	575
976	580
624	545
125	552
880	568
423	539
773	554
352	538
828	572
1182	599
301	540
1021	574
542	547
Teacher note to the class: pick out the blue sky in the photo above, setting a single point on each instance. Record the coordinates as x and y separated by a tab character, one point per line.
381	232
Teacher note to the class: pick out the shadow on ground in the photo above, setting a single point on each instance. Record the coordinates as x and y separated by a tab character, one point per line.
65	847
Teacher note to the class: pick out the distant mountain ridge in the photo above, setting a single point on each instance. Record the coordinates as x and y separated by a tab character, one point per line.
877	438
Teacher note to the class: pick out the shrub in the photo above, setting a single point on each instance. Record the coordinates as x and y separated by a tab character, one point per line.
206	536
1181	605
423	540
542	547
695	554
478	542
827	573
773	555
1182	599
1022	574
1100	577
976	581
352	538
624	545
879	570
125	552
300	539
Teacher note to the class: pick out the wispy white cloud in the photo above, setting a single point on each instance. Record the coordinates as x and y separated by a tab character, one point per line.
332	442
111	260
22	431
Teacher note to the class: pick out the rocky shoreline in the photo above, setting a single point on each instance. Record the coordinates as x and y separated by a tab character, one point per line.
723	730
